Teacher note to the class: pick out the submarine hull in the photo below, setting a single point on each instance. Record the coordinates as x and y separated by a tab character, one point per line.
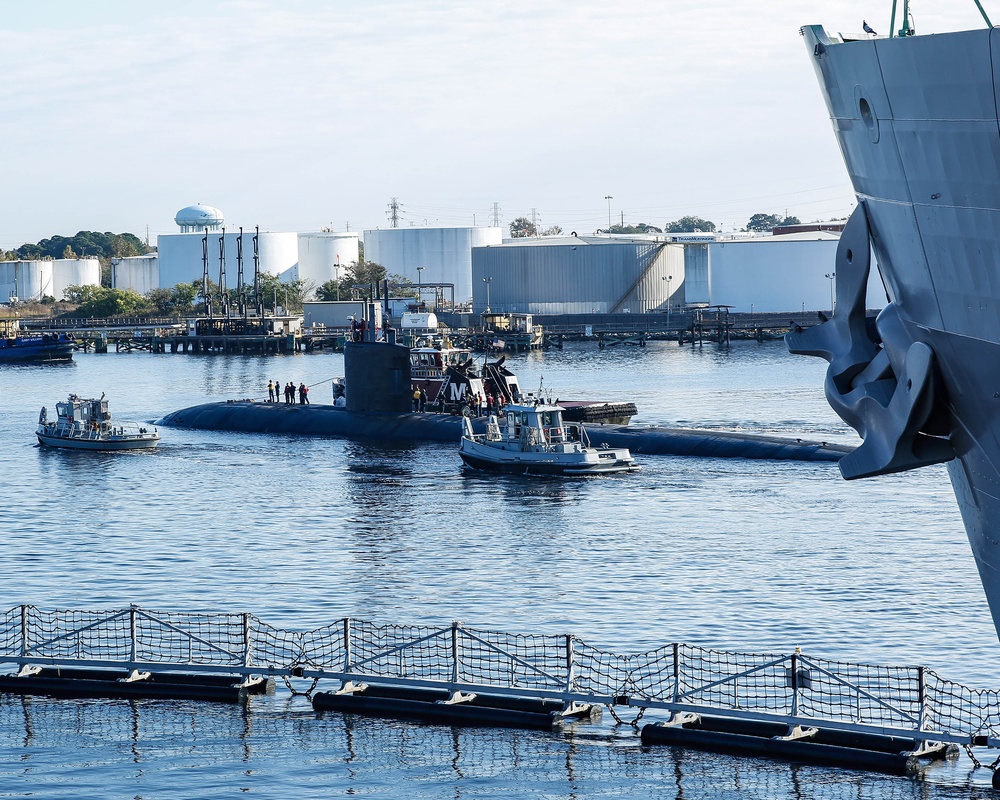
408	428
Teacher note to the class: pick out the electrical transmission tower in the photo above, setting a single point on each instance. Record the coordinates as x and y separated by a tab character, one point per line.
496	215
393	213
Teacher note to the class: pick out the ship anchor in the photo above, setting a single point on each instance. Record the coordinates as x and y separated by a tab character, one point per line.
879	382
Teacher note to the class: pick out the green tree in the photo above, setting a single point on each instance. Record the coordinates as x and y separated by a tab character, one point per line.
274	293
766	222
329	291
642	227
552	230
179	300
522	227
80	294
689	225
103	303
85	244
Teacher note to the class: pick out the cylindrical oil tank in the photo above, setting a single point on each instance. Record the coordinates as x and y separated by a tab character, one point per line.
325	256
180	256
25	280
578	275
445	254
141	274
68	272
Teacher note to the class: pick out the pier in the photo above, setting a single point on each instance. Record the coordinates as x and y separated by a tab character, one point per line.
790	706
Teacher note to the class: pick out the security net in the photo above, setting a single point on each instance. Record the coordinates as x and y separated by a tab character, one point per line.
678	675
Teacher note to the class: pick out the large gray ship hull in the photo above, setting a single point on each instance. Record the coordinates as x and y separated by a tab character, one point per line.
916	119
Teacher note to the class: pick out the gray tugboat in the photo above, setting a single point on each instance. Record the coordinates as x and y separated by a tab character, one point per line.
534	440
85	424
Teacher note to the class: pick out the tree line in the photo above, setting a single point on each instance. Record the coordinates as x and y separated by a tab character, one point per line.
758	223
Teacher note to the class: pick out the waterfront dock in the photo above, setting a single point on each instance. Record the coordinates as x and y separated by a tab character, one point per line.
694	327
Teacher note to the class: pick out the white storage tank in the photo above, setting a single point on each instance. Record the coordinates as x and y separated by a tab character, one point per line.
325	256
579	275
68	272
25	280
180	255
141	274
445	254
788	273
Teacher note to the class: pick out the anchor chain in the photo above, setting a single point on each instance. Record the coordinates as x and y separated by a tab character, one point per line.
295	692
619	721
976	763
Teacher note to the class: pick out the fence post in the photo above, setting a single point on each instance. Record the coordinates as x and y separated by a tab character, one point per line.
677	672
795	683
570	659
246	639
922	698
24	630
131	630
454	651
347	644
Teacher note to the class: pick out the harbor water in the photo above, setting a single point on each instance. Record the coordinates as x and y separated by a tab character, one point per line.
760	556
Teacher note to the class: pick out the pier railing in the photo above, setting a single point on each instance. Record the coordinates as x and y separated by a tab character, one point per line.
795	688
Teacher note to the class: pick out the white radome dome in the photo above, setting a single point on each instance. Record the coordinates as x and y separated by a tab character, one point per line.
199	217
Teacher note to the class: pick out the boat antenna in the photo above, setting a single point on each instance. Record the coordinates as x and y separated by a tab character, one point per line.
981	11
907	27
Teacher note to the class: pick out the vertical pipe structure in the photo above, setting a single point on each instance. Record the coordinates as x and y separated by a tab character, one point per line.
258	299
241	300
205	293
223	294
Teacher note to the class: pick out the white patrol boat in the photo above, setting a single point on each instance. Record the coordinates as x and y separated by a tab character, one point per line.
84	424
534	440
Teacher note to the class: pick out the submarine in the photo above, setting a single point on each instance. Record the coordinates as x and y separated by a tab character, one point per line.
378	407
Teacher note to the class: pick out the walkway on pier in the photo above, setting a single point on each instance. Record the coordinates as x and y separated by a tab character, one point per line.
802	692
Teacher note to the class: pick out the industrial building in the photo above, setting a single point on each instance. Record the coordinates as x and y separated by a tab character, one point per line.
429	256
644	274
35	280
578	275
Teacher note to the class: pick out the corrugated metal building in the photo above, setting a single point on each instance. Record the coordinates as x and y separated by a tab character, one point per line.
444	254
578	275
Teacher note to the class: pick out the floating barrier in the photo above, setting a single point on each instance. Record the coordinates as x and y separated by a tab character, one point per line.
406	428
109	683
793	706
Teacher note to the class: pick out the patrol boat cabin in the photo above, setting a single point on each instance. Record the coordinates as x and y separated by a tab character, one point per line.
535	440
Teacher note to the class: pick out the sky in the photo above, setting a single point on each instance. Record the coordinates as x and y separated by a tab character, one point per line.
308	114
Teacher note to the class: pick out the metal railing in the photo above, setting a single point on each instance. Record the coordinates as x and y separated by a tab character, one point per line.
796	689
